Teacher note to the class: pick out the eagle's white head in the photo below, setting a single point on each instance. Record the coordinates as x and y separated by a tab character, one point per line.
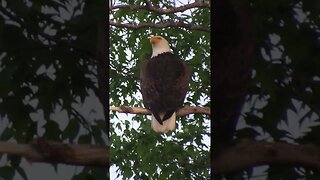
159	45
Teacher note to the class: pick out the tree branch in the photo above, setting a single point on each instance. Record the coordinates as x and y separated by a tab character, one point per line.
158	10
252	153
43	151
150	7
161	25
181	112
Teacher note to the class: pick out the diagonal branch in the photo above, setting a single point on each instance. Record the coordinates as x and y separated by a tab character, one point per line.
160	25
181	112
249	153
150	7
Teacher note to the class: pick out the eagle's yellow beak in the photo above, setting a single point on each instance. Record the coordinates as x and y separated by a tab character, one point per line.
155	39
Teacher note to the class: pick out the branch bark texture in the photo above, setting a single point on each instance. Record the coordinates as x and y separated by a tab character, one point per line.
160	25
253	153
158	10
43	151
150	7
181	112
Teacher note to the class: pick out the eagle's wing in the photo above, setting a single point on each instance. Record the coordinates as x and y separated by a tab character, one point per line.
164	83
182	84
148	86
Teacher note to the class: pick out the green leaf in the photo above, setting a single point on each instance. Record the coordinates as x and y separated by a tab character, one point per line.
72	130
22	173
85	139
7	172
7	134
52	131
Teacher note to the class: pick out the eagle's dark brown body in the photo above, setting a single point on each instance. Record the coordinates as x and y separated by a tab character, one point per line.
164	84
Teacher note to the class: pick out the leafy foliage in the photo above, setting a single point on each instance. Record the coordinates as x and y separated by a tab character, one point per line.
283	104
135	149
47	65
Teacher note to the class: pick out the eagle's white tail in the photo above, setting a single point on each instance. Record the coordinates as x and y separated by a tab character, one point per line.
168	125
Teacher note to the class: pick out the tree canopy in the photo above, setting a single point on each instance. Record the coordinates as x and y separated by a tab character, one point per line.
50	83
135	150
52	67
280	119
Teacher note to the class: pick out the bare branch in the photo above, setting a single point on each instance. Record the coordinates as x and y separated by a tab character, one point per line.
161	25
181	112
43	151
252	153
150	7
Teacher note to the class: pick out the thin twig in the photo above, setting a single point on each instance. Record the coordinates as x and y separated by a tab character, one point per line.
160	25
150	7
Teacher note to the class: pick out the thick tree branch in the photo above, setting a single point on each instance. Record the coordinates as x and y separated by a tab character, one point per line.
181	112
43	151
161	25
150	7
253	153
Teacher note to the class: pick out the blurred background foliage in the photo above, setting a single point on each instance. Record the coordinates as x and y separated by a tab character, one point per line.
283	104
48	77
135	150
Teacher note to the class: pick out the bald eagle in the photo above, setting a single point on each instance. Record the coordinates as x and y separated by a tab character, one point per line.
164	81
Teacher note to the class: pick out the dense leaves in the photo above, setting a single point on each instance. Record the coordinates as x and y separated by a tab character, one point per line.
283	103
47	72
136	150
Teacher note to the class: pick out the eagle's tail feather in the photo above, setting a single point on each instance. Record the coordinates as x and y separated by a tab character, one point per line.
168	125
171	122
